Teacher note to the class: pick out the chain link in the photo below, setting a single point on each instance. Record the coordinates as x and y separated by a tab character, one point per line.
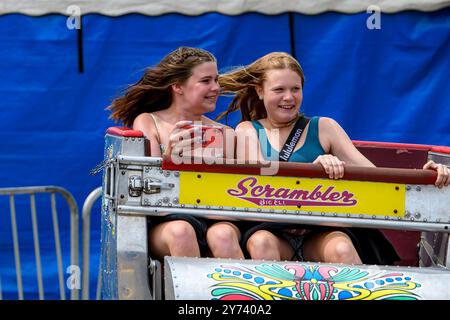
102	165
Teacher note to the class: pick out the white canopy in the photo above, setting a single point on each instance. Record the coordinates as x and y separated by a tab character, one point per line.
197	7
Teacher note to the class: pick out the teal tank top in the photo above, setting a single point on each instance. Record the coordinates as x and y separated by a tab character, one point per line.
309	152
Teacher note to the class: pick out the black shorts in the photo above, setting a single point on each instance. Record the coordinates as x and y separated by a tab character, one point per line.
371	244
294	236
200	226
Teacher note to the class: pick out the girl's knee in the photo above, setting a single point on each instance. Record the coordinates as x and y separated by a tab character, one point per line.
181	231
223	241
340	249
262	240
222	233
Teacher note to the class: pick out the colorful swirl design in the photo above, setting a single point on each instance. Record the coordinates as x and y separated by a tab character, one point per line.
306	282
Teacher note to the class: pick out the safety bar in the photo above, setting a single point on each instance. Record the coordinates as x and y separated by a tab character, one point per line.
306	170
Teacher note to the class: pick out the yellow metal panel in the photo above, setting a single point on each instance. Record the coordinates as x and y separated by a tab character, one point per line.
286	193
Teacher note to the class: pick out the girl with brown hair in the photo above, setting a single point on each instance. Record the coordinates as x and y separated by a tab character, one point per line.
174	94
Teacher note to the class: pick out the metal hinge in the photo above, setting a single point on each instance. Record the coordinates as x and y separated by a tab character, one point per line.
137	185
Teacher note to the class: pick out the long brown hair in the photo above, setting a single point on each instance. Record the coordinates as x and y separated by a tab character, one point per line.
153	91
242	82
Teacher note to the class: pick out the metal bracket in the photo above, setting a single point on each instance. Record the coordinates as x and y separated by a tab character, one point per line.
137	185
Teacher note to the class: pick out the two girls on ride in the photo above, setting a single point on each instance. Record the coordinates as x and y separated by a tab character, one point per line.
181	89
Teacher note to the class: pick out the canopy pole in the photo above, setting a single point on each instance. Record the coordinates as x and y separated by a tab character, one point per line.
292	34
80	47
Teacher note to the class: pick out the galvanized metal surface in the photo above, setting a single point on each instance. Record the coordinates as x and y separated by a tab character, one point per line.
132	258
433	249
206	279
427	203
124	257
437	157
286	217
167	195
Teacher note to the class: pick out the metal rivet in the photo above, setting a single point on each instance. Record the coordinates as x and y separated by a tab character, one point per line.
418	188
176	174
417	215
175	200
408	188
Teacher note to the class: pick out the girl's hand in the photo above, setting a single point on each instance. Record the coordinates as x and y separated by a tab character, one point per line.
183	139
443	178
332	165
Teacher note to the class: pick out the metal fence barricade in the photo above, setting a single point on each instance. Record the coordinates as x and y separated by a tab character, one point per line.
86	217
74	256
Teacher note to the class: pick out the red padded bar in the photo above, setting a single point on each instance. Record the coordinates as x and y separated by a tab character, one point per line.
441	149
309	170
124	132
391	145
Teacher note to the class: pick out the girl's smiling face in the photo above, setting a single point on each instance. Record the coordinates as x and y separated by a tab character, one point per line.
282	95
201	90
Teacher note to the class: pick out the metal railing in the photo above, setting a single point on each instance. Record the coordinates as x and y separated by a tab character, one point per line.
32	191
86	217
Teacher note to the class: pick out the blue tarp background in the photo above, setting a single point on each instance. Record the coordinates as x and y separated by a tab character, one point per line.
384	85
